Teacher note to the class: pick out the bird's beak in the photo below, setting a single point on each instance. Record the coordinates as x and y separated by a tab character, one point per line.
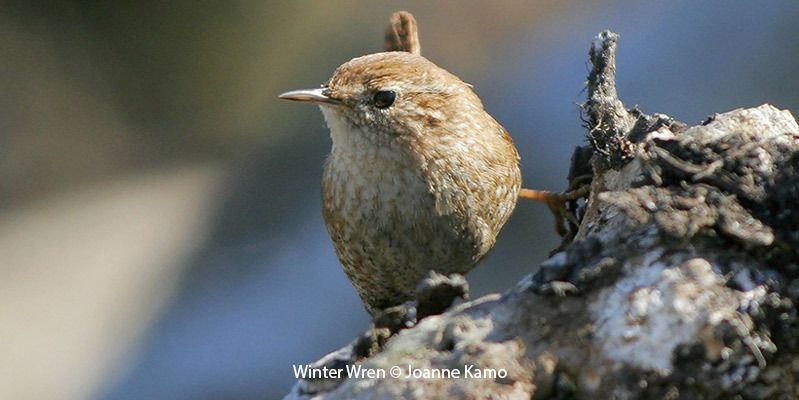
318	96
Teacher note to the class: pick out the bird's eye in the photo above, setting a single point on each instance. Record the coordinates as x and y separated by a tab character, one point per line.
384	98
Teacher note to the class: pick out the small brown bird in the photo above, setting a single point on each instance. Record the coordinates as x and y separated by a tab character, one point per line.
420	176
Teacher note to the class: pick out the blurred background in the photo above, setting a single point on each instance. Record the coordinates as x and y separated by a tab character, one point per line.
160	225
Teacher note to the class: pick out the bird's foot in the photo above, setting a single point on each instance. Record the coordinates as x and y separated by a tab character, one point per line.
557	203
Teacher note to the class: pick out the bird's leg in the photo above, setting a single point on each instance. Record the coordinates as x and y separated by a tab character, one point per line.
557	203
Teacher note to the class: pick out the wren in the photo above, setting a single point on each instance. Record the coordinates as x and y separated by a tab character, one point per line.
420	177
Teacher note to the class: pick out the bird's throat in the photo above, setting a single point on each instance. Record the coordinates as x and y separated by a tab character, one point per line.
369	179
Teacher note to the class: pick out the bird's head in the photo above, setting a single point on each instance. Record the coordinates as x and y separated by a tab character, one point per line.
385	96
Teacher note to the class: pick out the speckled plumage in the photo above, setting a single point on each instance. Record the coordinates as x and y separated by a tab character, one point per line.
425	184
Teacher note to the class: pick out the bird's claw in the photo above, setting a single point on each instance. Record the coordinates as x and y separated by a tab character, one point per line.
557	203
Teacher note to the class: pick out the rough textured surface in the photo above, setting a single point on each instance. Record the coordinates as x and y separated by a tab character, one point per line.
681	281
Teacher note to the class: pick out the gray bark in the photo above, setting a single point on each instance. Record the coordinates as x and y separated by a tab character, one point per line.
681	280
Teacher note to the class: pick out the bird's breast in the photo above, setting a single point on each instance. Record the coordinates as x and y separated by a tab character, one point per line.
375	186
370	181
